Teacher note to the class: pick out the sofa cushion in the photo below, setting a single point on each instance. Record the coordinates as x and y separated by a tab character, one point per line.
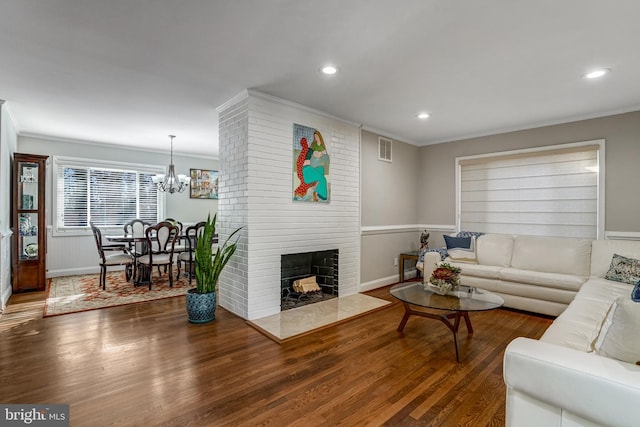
619	337
477	270
494	249
603	250
536	278
562	255
624	269
578	326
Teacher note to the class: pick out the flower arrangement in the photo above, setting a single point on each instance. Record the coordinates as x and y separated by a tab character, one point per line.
445	277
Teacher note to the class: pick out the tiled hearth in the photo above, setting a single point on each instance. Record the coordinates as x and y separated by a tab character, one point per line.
300	321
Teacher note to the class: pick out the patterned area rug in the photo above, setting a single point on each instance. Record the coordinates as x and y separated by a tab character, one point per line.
72	294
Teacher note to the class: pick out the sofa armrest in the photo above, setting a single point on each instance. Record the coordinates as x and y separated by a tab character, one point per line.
431	259
597	388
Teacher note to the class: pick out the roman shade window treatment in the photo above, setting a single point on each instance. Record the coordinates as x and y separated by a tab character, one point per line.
549	192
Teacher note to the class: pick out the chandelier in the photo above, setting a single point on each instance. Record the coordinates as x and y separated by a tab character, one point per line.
171	183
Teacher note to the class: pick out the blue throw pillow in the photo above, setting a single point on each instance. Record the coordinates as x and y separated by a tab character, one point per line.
457	242
635	294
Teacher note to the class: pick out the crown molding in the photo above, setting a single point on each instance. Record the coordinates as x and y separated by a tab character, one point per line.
110	145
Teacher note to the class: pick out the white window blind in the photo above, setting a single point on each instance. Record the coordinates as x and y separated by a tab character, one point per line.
554	192
107	194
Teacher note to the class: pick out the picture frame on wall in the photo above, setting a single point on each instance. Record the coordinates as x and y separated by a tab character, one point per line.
311	172
204	184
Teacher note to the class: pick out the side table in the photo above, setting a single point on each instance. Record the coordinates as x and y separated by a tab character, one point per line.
413	255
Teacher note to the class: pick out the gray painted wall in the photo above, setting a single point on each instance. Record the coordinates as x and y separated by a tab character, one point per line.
389	190
389	199
622	151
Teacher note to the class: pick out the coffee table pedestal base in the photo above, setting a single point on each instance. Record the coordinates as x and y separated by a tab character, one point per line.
444	318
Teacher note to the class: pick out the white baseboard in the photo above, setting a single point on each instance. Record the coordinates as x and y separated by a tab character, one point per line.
6	294
77	271
385	281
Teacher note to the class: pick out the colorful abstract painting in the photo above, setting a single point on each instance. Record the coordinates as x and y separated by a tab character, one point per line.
311	175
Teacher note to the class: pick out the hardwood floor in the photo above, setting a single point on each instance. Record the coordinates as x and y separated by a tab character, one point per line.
144	364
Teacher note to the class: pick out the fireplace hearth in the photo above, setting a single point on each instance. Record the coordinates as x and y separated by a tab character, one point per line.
321	266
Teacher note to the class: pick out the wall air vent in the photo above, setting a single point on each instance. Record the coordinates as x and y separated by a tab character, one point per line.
384	149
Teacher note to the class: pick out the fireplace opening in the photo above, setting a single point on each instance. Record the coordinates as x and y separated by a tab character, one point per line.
308	277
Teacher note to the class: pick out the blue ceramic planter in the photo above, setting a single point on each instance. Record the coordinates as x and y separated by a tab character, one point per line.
201	308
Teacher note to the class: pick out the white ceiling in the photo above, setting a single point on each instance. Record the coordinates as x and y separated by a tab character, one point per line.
132	72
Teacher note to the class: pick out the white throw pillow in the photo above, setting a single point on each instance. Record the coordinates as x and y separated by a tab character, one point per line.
619	337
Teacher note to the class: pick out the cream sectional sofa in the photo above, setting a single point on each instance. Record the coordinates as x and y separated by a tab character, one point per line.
563	379
532	273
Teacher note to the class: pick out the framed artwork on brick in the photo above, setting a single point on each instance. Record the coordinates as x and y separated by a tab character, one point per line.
204	184
311	177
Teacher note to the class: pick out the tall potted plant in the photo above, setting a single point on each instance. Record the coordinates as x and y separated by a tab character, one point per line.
201	300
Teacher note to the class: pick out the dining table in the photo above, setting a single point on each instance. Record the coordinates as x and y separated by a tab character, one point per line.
143	275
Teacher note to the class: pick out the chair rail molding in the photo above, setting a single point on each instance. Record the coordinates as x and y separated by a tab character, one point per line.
405	228
622	235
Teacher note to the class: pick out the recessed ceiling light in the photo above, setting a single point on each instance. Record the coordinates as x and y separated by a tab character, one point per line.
423	116
329	69
597	73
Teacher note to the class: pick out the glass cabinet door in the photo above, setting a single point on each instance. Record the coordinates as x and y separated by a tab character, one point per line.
27	186
28	235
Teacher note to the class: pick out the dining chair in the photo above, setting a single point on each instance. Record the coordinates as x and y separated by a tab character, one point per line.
188	257
181	245
137	245
121	257
161	239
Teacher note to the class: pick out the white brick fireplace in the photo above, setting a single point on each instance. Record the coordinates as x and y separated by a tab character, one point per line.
256	189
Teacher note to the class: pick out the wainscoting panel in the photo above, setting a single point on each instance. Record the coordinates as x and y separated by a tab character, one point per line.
70	255
5	267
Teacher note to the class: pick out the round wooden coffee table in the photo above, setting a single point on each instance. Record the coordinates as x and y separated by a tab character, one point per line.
457	303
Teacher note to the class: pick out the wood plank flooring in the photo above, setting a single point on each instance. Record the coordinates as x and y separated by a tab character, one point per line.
144	364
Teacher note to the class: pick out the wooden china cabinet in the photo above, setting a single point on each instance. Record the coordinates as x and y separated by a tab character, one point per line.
28	217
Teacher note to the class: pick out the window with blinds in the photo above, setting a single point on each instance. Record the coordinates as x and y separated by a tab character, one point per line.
107	194
557	191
